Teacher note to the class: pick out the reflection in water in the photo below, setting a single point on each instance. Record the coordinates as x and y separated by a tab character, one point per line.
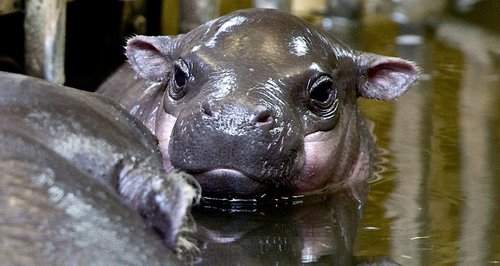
478	106
438	201
407	144
322	232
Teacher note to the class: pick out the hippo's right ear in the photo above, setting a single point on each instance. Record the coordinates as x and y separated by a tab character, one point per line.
151	56
385	78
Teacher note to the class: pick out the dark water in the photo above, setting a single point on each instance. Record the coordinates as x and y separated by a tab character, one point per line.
437	194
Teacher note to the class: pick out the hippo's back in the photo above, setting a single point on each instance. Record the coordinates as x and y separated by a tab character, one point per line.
89	130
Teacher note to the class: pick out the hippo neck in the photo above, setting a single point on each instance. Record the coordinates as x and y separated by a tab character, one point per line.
148	106
142	98
362	169
353	163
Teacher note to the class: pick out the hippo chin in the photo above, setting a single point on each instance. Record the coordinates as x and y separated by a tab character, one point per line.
258	101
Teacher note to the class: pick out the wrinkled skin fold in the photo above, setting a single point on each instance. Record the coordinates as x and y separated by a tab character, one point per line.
258	101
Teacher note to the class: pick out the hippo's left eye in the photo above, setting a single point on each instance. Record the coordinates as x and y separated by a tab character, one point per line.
178	81
323	96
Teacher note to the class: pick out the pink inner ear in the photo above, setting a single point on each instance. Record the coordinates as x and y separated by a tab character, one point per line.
390	66
137	43
149	62
388	78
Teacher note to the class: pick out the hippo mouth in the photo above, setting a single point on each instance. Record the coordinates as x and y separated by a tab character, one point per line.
230	182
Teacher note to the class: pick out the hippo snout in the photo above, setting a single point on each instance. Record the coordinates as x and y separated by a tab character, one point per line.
257	116
235	148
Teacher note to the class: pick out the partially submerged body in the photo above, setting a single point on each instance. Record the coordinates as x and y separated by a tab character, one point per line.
257	102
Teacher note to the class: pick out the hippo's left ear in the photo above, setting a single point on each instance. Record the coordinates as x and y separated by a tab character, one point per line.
151	56
385	78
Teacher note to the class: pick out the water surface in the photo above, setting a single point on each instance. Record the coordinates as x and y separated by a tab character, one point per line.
438	200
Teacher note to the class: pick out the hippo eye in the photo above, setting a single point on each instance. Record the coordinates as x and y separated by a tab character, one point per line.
323	96
179	77
178	82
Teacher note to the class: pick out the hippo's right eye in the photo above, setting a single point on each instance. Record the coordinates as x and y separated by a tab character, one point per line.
178	82
323	96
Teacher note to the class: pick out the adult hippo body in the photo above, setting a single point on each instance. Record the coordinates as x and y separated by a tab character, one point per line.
73	168
258	101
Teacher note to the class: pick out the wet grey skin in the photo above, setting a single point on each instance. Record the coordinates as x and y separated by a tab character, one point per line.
258	101
82	181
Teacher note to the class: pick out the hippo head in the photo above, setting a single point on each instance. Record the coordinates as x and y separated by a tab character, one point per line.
259	101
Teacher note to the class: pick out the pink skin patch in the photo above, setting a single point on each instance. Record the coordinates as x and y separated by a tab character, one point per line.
163	131
334	158
318	147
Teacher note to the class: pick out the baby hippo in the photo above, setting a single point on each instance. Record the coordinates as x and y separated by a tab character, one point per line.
73	167
258	102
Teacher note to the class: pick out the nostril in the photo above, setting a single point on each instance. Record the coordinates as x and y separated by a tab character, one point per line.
263	116
207	109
